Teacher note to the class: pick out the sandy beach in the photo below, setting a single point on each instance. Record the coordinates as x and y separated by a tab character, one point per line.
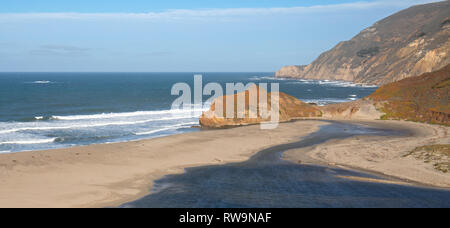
385	155
108	175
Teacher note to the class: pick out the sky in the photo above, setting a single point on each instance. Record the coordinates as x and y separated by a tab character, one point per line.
178	35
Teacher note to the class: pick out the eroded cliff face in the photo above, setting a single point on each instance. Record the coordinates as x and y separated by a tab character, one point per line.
406	44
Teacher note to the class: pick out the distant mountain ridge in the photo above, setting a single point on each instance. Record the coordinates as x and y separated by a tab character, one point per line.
409	43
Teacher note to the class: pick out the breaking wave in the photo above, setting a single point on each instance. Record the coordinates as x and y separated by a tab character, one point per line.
53	131
176	126
40	82
74	126
36	141
128	114
311	81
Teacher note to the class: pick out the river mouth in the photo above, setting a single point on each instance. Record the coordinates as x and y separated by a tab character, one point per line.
267	181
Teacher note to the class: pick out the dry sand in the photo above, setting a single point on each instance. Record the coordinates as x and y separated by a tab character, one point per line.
111	174
382	154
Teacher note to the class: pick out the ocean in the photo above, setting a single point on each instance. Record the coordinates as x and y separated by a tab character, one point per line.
56	110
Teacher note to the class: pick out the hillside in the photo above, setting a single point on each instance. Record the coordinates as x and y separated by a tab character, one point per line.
409	43
425	98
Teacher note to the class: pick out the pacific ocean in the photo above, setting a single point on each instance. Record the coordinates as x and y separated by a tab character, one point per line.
55	110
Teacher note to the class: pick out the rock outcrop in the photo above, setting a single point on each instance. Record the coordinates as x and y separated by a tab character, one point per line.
289	108
408	43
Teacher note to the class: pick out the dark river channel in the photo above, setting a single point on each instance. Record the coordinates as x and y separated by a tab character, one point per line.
265	180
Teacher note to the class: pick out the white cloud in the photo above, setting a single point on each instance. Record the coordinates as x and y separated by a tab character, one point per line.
212	13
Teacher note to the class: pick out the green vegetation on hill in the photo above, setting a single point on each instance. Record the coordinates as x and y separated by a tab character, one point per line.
425	98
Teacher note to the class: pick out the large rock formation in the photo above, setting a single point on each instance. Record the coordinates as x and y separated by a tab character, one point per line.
409	43
425	98
289	108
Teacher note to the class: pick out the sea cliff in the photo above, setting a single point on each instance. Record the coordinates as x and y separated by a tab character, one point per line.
424	98
406	44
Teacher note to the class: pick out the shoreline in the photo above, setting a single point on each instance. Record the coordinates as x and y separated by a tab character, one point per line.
108	175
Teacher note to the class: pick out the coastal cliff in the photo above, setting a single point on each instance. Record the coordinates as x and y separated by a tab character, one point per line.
424	98
409	43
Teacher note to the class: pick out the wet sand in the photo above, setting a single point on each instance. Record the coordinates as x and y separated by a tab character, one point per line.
112	174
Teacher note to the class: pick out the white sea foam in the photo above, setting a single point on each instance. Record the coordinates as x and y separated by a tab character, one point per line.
176	126
41	82
155	131
329	83
129	114
75	126
35	141
256	78
5	151
39	118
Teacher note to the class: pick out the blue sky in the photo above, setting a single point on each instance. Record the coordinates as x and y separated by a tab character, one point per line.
178	36
142	6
